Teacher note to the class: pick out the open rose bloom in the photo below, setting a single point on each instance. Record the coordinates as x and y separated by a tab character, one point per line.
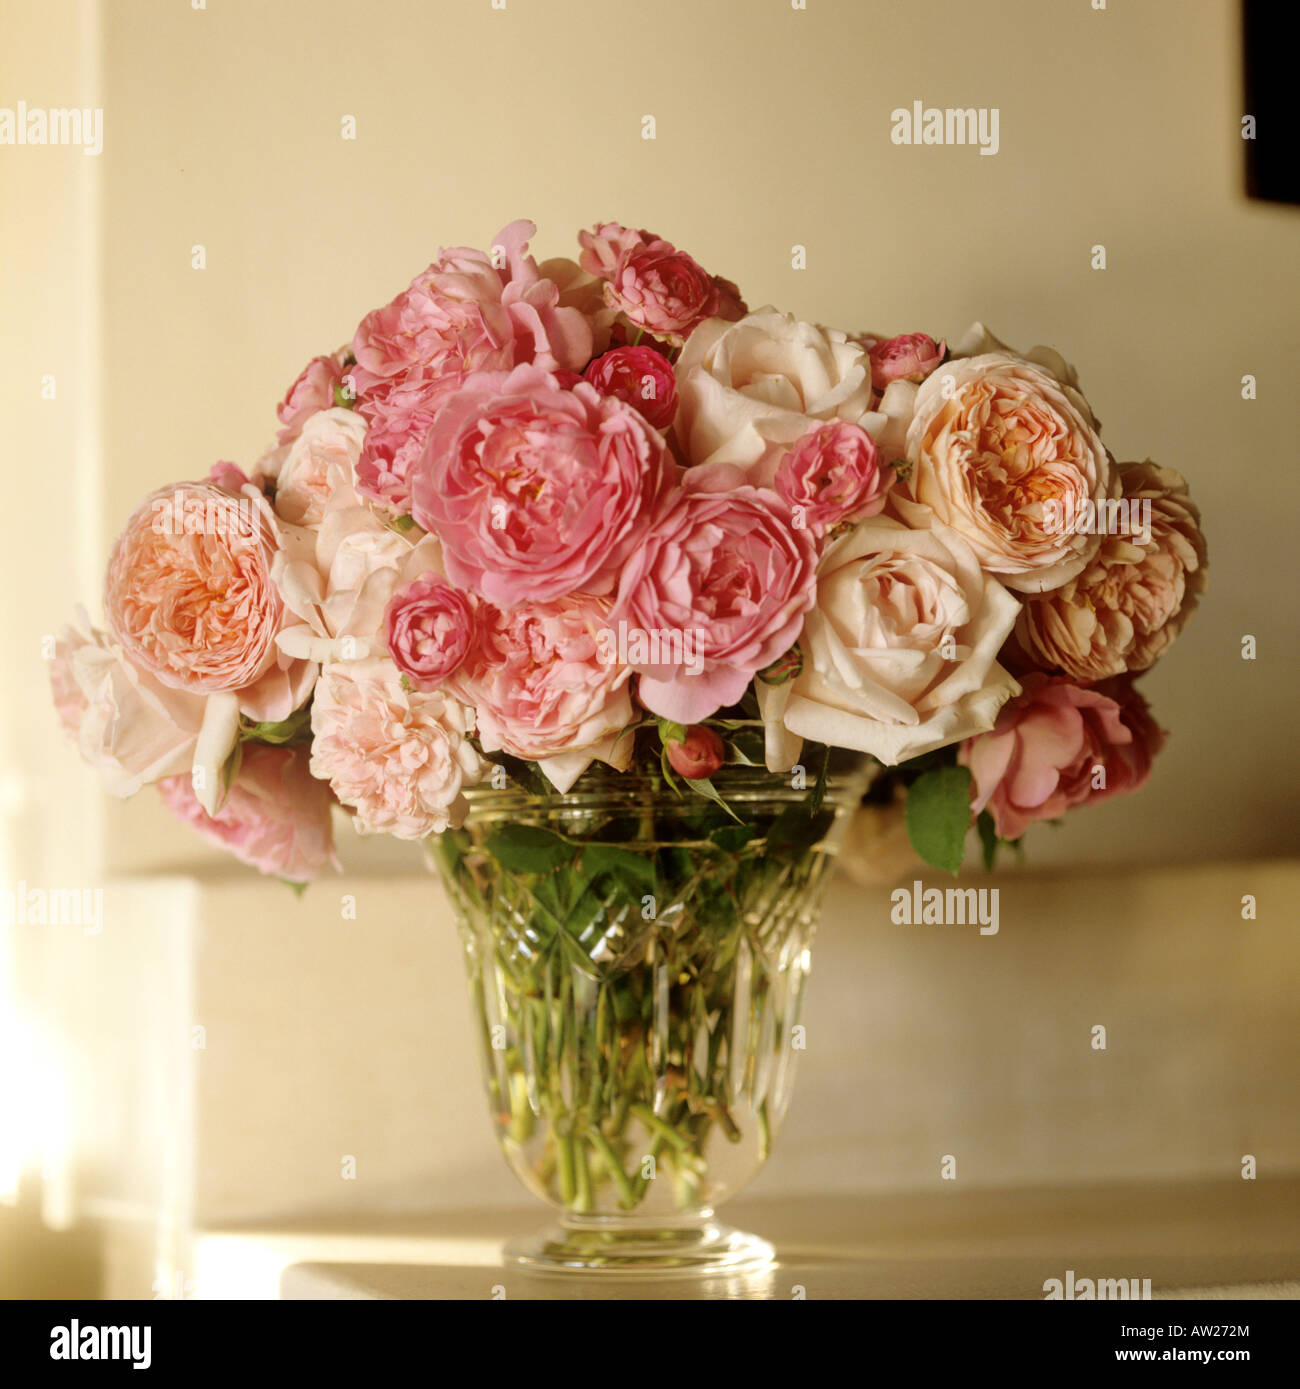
591	516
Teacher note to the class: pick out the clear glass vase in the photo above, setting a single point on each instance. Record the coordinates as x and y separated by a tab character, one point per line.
636	964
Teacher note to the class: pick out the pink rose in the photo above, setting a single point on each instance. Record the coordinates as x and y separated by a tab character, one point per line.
429	626
464	314
640	376
1058	745
833	475
128	725
189	596
544	689
399	420
400	759
998	444
536	491
908	357
698	755
275	817
312	391
656	286
722	582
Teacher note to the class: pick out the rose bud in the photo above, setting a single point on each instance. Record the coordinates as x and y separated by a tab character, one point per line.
908	357
640	376
698	755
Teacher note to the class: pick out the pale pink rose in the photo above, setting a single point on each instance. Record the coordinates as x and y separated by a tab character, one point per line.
312	391
189	595
748	391
127	725
399	419
536	491
544	687
1059	745
640	376
993	441
400	759
730	575
698	755
908	357
467	314
900	654
429	627
833	475
1123	611
322	458
275	816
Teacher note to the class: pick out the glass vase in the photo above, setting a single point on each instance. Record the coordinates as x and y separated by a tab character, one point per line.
636	963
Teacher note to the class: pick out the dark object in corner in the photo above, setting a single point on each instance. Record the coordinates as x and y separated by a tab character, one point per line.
1268	94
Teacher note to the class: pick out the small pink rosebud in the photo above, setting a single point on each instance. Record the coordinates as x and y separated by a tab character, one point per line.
908	357
698	755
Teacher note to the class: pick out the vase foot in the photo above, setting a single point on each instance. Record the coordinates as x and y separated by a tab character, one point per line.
609	1244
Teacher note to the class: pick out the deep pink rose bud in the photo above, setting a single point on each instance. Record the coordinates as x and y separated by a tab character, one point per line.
429	626
698	755
640	376
908	357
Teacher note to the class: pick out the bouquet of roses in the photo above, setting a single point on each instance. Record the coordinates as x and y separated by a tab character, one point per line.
536	517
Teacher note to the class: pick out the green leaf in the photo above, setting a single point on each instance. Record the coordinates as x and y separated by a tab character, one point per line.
296	728
670	732
988	839
938	816
704	787
733	838
819	789
528	848
797	828
631	869
298	888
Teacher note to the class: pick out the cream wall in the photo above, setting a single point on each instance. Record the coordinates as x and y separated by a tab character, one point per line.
223	129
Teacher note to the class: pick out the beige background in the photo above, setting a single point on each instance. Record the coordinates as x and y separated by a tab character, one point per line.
223	129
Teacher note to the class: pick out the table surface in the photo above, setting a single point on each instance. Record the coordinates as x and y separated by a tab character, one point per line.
1229	1239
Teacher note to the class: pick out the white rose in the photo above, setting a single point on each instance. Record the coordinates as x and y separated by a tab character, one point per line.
337	576
319	461
747	390
900	653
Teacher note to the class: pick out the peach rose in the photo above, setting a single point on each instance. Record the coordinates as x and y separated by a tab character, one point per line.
900	652
993	441
400	759
1122	612
189	595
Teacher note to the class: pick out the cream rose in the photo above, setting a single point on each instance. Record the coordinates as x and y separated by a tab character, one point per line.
747	390
336	577
1000	448
320	460
900	653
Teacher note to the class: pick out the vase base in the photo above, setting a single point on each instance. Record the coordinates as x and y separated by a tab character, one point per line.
607	1245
